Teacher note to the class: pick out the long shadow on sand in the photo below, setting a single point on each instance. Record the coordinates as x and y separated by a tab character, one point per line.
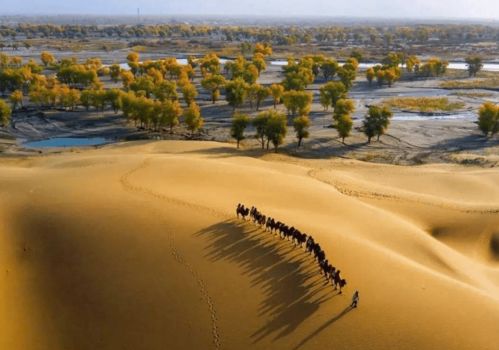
323	327
292	287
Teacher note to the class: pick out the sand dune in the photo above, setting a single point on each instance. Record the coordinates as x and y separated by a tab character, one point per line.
136	246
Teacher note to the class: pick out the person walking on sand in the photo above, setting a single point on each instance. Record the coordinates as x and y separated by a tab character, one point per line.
355	299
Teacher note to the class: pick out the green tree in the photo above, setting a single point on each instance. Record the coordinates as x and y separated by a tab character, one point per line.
213	83
335	91
210	64
166	90
347	75
370	74
297	102
488	118
276	128
261	93
260	125
5	113
115	72
47	58
276	90
16	99
259	62
189	93
329	68
193	118
235	92
144	83
170	114
474	65
376	121
342	117
301	125
344	126
239	124
412	64
343	107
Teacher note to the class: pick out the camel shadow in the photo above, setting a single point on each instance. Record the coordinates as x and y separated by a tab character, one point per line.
323	327
288	278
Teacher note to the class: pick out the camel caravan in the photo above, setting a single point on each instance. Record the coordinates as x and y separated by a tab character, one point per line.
299	239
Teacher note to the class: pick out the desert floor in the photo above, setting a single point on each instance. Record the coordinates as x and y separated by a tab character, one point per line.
136	246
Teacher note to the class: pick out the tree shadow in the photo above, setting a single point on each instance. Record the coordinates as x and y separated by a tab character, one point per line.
470	142
292	287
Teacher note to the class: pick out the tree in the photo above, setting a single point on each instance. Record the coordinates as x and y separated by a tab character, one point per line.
114	98
115	72
16	99
210	64
343	106
166	90
380	76
263	48
5	113
356	54
347	75
329	69
297	77
260	124
276	90
143	83
235	92
301	125
474	65
193	119
133	57
276	128
344	126
239	124
259	62
170	114
189	93
297	102
334	90
342	117
370	74
127	78
488	118
324	98
390	76
261	93
376	121
213	83
47	58
412	64
250	73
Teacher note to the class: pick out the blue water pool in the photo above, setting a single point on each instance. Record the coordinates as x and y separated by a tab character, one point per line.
66	142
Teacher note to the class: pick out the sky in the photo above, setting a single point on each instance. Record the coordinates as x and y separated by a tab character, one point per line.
466	9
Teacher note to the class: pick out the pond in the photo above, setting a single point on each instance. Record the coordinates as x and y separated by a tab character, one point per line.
58	142
416	116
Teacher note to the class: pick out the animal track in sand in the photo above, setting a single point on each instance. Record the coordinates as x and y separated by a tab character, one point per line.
127	184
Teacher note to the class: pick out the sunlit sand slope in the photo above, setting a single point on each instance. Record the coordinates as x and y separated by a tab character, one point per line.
137	247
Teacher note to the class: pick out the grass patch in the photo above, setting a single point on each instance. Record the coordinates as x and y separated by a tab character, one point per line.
488	83
472	94
424	104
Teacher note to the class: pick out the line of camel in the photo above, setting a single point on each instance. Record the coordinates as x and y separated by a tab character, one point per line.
298	238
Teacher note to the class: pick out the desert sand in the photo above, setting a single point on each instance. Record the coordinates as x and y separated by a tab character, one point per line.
136	246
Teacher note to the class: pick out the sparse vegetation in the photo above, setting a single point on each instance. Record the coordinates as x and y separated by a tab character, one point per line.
424	104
